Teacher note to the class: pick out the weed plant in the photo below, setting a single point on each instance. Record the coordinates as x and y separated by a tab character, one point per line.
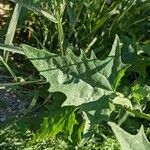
85	64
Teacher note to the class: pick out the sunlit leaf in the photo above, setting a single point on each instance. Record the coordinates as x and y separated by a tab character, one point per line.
85	82
128	141
81	79
58	120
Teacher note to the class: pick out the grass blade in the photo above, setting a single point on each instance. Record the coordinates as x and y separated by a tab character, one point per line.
11	29
36	10
11	48
4	85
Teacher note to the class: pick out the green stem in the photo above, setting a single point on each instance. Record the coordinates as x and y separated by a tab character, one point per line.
136	113
8	68
3	85
59	27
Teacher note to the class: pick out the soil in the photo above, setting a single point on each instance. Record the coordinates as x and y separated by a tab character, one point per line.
11	103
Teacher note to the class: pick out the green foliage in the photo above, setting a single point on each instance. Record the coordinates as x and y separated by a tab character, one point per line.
88	25
59	120
88	82
128	141
132	54
86	79
85	82
140	92
35	9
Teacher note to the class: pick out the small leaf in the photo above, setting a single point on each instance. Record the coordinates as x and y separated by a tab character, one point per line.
120	100
128	141
139	92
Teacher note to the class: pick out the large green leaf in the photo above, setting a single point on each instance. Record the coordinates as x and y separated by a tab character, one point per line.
87	83
128	141
82	80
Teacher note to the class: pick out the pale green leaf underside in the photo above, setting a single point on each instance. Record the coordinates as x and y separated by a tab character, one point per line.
128	141
82	80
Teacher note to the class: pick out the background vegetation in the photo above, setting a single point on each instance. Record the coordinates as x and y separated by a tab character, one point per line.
83	66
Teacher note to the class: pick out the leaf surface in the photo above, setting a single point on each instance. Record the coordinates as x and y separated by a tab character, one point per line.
128	141
58	120
82	80
87	83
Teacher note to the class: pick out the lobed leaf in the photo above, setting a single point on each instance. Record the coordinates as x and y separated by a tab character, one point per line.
82	80
128	141
87	83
